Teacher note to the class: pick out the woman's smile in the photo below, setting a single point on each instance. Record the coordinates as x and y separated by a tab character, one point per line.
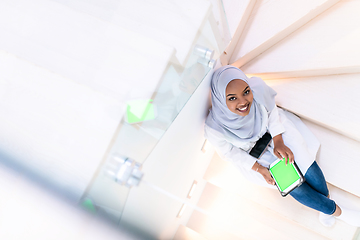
244	109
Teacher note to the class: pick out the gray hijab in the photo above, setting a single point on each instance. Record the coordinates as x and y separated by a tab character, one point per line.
230	124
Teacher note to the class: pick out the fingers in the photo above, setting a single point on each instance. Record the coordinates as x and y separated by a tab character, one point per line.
277	154
286	158
272	181
285	154
269	179
291	156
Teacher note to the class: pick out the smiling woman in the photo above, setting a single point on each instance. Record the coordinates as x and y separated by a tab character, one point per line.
243	111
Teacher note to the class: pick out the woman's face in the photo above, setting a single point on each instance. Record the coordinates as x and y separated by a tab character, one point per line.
239	97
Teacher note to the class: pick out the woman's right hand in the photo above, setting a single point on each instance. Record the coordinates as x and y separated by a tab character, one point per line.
266	174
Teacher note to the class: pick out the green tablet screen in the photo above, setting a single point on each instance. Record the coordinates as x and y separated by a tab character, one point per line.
285	175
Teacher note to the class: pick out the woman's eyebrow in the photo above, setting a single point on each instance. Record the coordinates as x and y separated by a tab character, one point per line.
246	88
230	94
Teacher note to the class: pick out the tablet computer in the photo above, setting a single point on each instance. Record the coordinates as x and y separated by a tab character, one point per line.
287	177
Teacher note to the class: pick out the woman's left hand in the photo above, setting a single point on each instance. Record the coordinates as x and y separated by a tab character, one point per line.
282	151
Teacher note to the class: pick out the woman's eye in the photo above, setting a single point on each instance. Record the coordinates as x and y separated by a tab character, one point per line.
246	92
232	99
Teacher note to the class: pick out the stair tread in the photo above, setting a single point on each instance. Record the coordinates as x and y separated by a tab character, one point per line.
323	43
329	100
222	174
235	12
335	149
187	233
174	22
53	127
90	52
243	212
272	20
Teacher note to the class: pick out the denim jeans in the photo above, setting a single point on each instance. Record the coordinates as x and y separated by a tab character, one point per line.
313	192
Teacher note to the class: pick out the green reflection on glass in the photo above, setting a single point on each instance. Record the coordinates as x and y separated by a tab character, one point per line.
140	110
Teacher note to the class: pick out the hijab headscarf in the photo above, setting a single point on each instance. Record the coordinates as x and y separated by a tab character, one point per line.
220	118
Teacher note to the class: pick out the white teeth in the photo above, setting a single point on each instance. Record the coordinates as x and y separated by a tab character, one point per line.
242	109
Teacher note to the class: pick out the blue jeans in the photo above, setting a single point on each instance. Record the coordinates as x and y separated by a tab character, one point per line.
313	192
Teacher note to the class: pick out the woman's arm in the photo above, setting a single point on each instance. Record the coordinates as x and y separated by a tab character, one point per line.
237	156
281	150
276	129
227	151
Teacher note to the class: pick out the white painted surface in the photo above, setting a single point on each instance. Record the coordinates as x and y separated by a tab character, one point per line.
328	42
221	23
338	158
83	48
243	217
51	126
174	22
238	13
187	233
67	69
29	211
234	10
273	20
331	101
173	165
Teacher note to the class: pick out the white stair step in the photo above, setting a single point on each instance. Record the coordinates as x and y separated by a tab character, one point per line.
83	48
326	45
338	158
243	217
52	127
271	21
175	23
187	233
224	175
30	211
211	229
332	101
237	13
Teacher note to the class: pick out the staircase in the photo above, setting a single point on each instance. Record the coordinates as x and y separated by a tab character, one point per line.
308	51
68	67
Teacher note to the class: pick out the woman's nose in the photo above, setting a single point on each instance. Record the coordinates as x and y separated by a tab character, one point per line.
242	101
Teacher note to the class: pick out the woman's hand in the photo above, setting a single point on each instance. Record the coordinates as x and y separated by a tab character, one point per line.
266	174
282	151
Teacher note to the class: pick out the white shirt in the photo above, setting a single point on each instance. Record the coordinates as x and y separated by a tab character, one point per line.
295	134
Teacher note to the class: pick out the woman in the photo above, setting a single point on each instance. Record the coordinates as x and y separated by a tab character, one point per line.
243	110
